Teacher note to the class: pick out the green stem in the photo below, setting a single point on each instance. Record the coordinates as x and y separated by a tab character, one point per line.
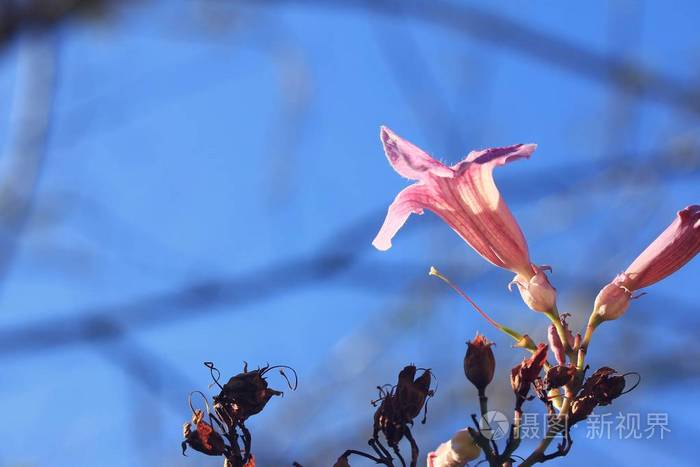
483	403
593	323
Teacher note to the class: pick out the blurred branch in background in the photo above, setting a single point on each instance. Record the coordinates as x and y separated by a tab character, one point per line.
323	265
107	328
25	152
513	35
18	15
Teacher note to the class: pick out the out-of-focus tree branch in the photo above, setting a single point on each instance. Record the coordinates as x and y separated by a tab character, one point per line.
513	35
26	149
17	15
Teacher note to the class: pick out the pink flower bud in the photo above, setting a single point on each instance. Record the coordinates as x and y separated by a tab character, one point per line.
671	250
556	345
612	301
536	291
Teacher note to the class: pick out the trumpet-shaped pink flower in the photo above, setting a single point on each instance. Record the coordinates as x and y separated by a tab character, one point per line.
465	196
671	250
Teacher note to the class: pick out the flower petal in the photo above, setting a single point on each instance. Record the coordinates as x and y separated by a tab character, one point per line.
671	250
497	156
410	200
408	160
486	223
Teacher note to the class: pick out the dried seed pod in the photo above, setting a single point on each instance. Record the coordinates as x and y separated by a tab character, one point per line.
412	392
479	362
601	388
605	385
558	376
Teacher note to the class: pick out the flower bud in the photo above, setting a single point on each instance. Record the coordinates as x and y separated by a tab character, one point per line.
612	301
537	293
556	345
525	342
479	362
456	452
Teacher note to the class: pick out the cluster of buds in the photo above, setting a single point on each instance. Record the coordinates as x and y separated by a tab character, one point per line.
244	395
465	196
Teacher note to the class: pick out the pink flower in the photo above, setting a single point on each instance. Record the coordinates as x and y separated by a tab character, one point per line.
465	196
671	250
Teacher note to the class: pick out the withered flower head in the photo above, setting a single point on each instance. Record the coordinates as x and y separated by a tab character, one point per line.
581	408
203	439
605	385
479	362
245	394
601	388
523	375
412	392
558	376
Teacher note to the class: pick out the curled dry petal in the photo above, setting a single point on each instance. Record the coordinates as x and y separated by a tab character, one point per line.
558	376
464	196
523	375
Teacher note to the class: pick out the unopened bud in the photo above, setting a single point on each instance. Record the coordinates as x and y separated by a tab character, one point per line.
612	301
525	342
479	362
456	452
556	345
537	293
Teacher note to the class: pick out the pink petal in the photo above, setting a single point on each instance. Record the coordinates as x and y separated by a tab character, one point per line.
410	200
464	196
671	250
485	221
408	160
497	156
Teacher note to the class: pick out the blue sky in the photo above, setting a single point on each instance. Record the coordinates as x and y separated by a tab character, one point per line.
220	149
